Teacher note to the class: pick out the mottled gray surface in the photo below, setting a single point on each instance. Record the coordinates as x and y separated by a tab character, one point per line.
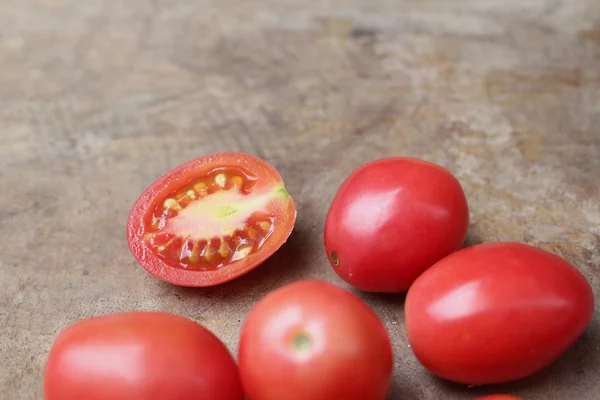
99	98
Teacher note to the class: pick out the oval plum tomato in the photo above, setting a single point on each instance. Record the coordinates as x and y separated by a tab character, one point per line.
496	312
499	397
313	340
140	356
211	220
391	220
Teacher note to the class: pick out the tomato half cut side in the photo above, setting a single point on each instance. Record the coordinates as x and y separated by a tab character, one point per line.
211	220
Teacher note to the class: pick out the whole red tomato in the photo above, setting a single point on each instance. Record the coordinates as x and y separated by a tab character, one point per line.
499	397
496	312
391	220
313	340
140	356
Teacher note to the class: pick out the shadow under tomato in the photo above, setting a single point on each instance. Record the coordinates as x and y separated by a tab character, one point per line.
401	389
383	299
472	239
578	363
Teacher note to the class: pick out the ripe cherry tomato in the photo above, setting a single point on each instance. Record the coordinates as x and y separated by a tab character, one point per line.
140	356
499	397
496	312
313	340
391	220
211	220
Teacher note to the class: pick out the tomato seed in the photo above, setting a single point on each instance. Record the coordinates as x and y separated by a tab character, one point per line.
200	187
223	249
241	252
252	234
209	252
221	180
195	254
237	181
265	225
172	204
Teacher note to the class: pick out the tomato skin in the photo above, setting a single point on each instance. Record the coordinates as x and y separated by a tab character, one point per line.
392	219
268	178
496	312
349	356
140	356
499	397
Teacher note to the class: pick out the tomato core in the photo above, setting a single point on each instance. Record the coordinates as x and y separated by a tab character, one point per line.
210	222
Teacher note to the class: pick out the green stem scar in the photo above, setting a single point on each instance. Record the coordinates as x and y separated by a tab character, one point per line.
301	342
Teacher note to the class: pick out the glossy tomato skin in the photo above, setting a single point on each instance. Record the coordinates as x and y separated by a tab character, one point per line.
313	340
496	312
140	356
391	220
267	180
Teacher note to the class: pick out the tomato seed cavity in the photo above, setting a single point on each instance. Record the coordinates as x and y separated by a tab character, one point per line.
222	190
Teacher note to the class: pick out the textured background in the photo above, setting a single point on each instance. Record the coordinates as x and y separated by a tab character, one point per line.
99	98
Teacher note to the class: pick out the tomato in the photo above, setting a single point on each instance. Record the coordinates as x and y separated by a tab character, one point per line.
140	356
211	220
391	220
499	397
313	340
496	312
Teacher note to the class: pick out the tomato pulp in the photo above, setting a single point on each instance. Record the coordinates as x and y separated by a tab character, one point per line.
391	220
211	220
496	312
313	340
140	356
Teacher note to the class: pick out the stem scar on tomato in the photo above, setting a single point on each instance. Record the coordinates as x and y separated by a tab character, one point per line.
335	258
301	342
211	220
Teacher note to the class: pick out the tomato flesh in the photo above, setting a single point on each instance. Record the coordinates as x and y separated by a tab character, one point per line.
313	340
496	312
140	356
499	397
211	220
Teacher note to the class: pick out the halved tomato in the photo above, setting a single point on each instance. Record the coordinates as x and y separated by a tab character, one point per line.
211	220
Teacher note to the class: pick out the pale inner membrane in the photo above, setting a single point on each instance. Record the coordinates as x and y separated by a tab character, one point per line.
217	215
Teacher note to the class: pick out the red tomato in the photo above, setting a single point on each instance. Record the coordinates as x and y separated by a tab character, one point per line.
313	340
499	397
391	220
211	220
140	356
496	312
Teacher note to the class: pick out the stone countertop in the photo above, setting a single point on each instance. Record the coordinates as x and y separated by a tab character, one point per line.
100	98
